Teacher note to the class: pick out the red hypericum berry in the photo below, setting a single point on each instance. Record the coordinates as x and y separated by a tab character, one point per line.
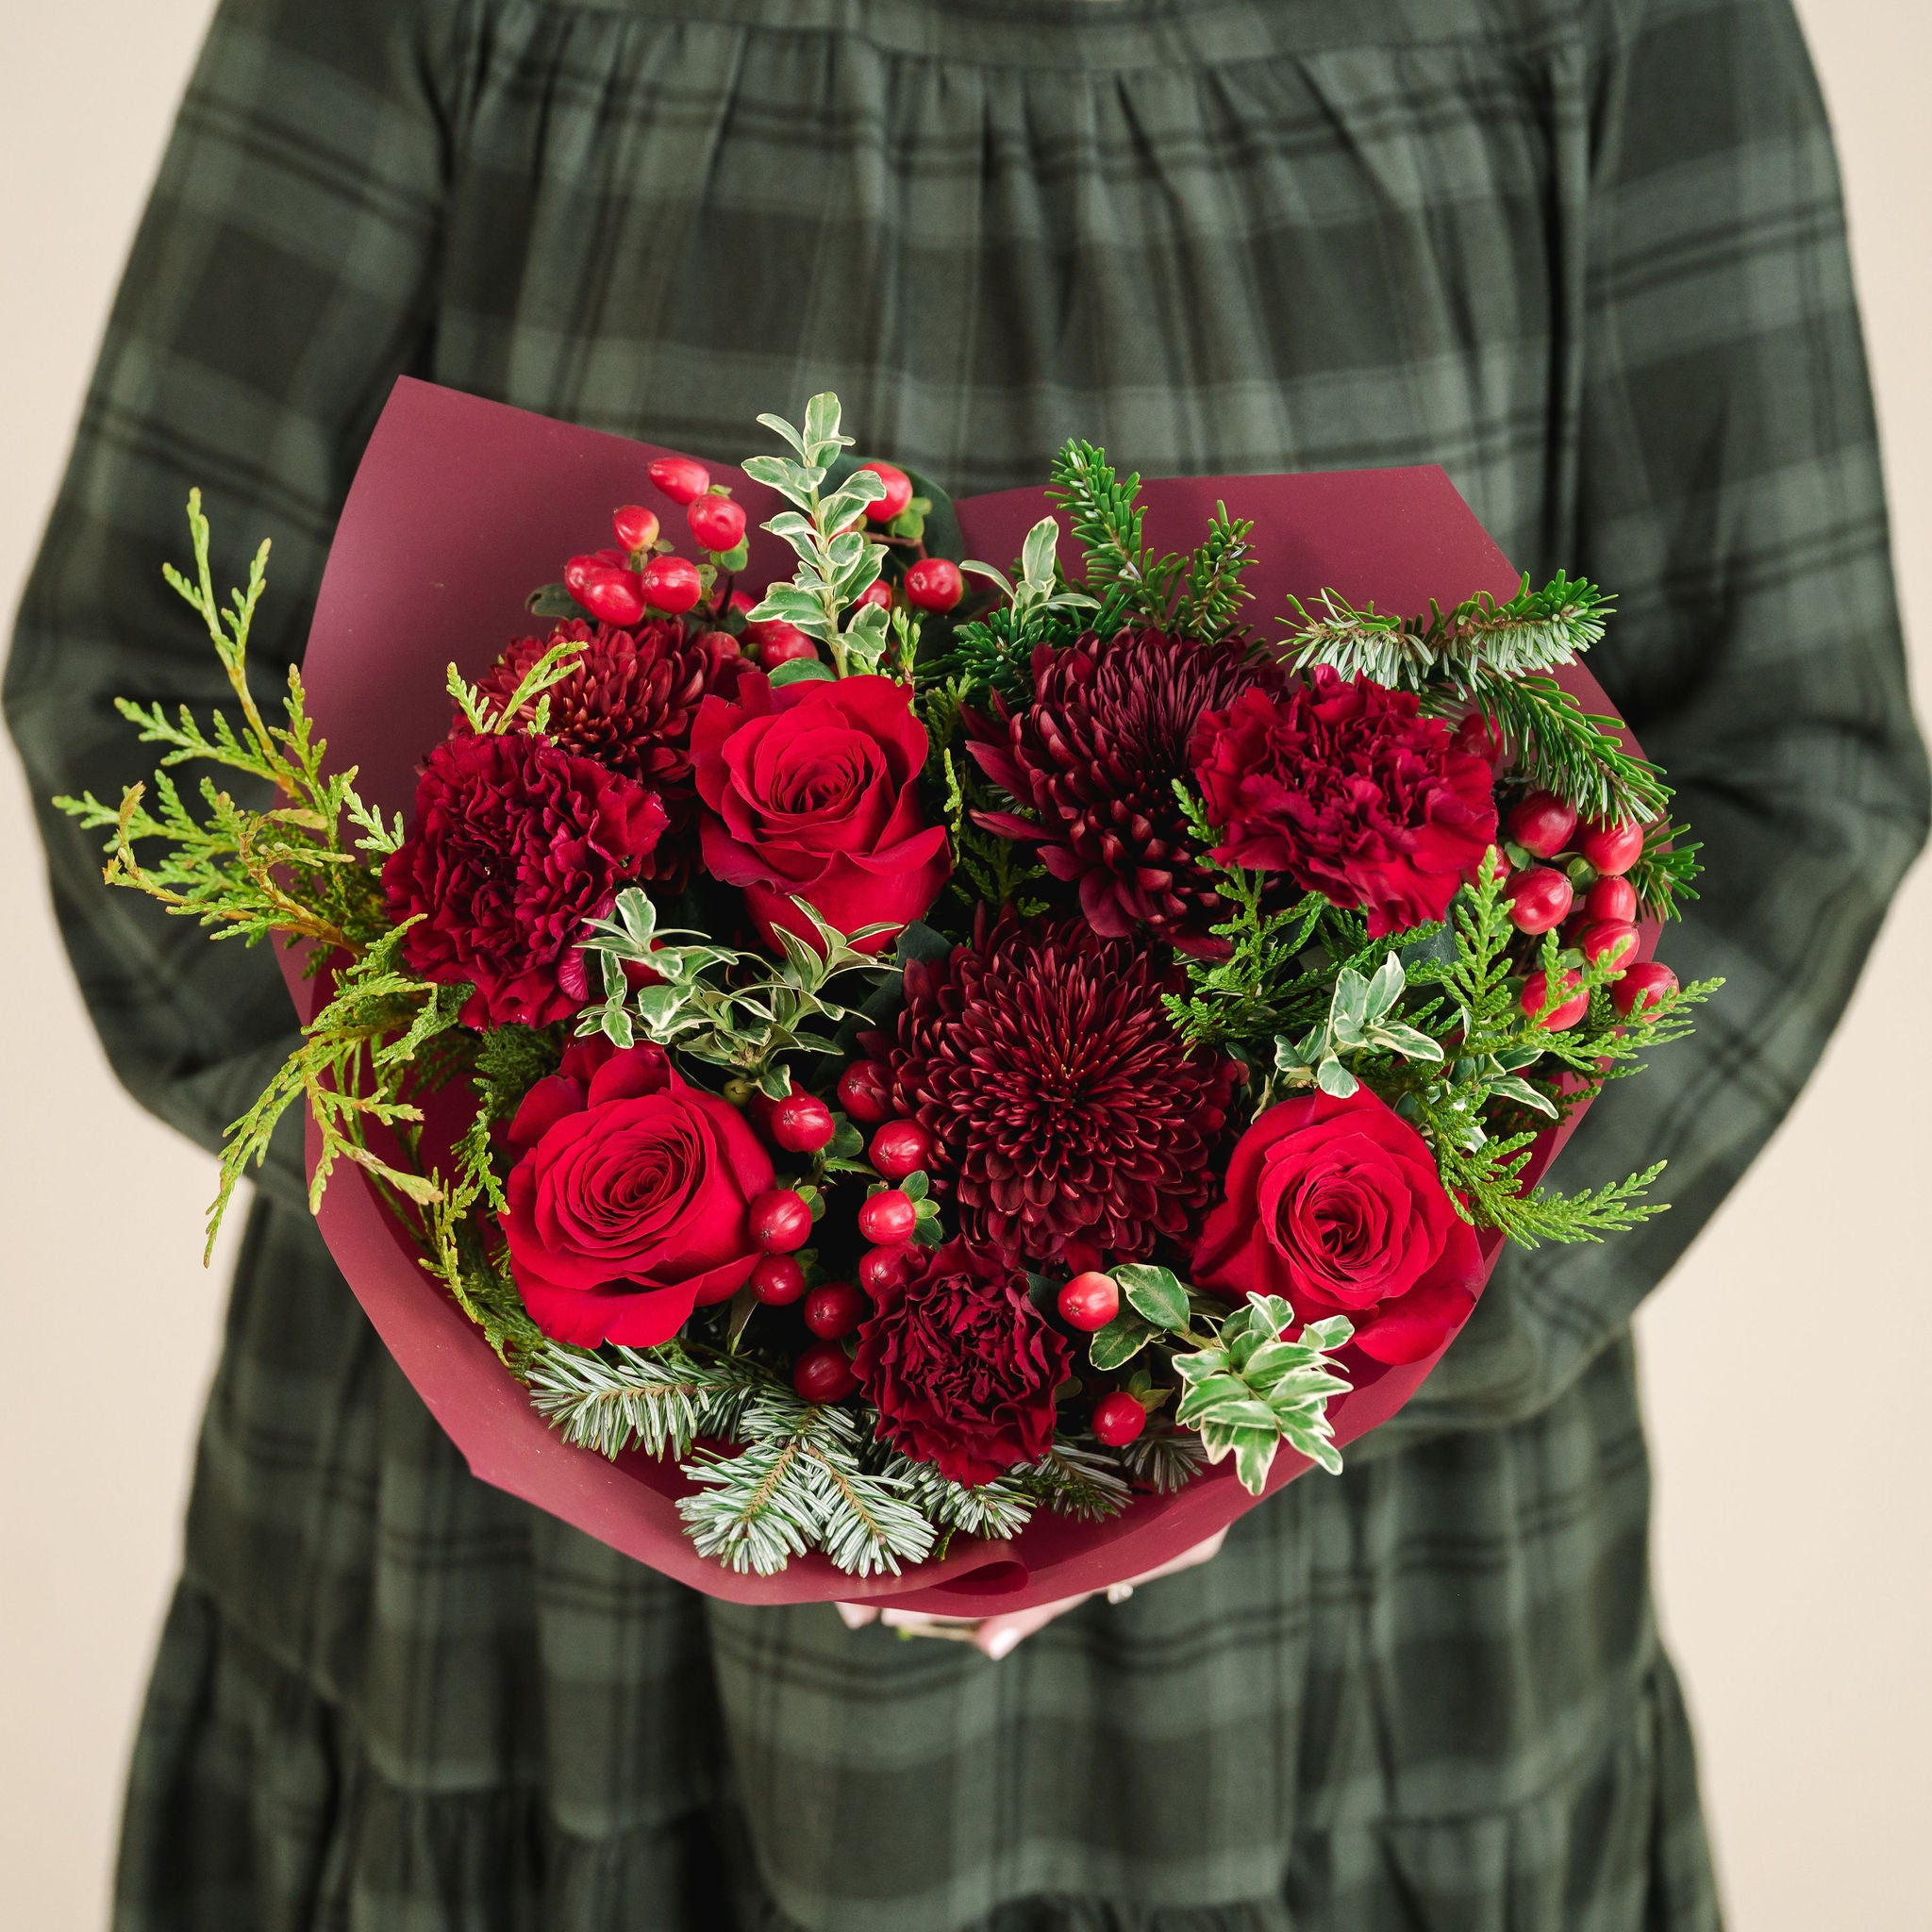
612	597
934	583
794	644
878	592
1538	899
898	491
1611	939
672	584
716	521
899	1148
822	1373
1543	823
576	572
778	1279
801	1125
882	1268
1612	849
1118	1419
1477	735
1090	1301
722	642
681	478
1611	898
1642	985
1536	989
780	1221
834	1309
865	1091
887	1216
636	526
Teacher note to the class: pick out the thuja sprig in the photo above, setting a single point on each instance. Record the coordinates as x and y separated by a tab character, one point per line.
837	564
987	868
486	720
243	871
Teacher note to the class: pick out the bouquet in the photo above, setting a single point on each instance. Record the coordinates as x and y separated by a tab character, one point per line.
849	1070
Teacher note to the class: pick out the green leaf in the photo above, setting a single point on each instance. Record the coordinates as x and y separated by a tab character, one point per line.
1121	1340
1156	1293
801	670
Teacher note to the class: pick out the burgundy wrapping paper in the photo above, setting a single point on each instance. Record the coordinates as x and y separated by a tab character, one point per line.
459	506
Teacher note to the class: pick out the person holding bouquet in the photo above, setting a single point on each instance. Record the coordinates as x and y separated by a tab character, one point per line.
1223	237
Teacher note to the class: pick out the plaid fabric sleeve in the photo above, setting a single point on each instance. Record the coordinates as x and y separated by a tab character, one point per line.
281	277
1727	489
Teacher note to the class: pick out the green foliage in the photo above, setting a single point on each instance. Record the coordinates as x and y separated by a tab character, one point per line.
800	1483
986	868
659	1400
1166	1459
1666	868
551	669
1559	746
1360	1023
736	1010
1075	1479
837	564
1250	1391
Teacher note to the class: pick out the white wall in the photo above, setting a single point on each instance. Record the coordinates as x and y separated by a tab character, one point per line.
1794	1576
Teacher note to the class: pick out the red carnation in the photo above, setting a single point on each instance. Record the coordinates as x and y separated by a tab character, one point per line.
813	792
962	1366
1351	792
1094	756
1069	1124
516	844
1337	1207
628	702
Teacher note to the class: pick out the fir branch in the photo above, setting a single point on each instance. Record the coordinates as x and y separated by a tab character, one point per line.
1073	1479
1664	869
659	1400
1166	1459
1212	593
998	1510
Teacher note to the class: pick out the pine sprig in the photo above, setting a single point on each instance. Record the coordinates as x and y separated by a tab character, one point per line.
800	1484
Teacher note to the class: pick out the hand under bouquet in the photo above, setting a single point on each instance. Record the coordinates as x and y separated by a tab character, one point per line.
869	1074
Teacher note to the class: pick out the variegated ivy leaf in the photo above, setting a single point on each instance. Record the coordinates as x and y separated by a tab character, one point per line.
852	498
795	482
1156	1293
822	438
867	636
1332	1077
801	671
791	603
1121	1340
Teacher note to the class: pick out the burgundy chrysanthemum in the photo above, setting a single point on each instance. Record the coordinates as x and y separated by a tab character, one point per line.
516	844
1095	754
628	702
1069	1124
1346	788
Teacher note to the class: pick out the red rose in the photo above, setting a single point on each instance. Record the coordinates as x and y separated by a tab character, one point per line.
1335	1205
814	790
1351	792
627	1208
516	844
961	1367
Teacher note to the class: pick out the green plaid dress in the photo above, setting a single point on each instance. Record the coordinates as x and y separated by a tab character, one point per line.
1587	254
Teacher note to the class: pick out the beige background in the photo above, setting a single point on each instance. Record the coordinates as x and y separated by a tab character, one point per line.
1793	1575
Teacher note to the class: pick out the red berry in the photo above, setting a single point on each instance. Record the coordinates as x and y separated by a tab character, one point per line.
878	592
1538	899
1090	1301
724	646
1118	1419
1611	898
636	528
778	1279
802	1124
1644	984
1543	823
681	478
716	521
886	1217
1478	736
780	1221
899	1148
612	597
1536	989
822	1372
1612	849
898	491
834	1309
672	583
1611	939
882	1268
580	568
787	649
934	583
865	1091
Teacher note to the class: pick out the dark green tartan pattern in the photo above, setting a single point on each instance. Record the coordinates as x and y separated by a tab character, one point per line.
1587	255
